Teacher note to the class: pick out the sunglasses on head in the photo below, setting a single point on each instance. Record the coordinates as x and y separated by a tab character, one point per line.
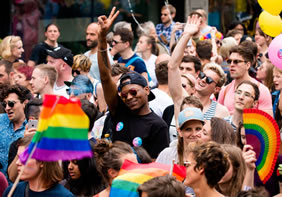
132	92
77	72
234	61
10	104
208	79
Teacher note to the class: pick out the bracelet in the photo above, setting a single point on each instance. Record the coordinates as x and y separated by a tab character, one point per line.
106	49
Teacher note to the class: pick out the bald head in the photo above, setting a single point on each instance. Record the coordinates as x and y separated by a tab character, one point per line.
161	58
92	35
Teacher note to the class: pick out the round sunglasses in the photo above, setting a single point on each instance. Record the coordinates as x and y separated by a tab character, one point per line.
9	103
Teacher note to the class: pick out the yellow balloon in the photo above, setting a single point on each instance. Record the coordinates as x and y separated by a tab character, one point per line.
273	7
269	24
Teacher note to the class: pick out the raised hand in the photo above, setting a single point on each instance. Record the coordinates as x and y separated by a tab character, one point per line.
105	23
177	26
249	156
193	25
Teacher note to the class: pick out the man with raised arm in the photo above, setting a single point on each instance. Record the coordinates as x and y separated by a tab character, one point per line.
209	81
133	121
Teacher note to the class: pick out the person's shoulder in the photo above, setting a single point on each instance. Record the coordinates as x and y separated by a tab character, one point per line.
221	111
4	117
159	25
167	155
87	53
61	191
19	191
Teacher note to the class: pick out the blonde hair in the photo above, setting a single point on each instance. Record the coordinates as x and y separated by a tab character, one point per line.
48	71
227	44
81	61
276	69
7	45
218	70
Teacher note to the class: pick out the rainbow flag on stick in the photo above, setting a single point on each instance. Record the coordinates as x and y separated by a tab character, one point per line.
132	175
62	132
262	132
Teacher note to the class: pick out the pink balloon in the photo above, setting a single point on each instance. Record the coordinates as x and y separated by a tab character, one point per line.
275	51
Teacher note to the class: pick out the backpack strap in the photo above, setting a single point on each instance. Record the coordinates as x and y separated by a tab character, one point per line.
132	60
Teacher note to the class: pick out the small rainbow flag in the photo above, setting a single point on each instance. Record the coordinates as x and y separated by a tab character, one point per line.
262	132
62	132
132	175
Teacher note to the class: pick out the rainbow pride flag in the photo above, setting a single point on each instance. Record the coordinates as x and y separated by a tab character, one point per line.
62	132
262	132
132	175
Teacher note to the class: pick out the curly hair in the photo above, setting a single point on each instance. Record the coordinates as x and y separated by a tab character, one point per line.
22	92
7	45
213	159
81	61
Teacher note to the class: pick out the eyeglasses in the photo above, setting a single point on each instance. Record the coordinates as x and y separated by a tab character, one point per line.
10	104
246	94
132	92
77	72
116	42
229	61
208	79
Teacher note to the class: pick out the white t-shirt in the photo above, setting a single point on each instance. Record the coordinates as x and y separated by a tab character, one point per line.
161	101
62	90
94	69
150	64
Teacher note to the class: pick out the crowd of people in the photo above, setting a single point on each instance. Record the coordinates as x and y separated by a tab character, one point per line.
179	95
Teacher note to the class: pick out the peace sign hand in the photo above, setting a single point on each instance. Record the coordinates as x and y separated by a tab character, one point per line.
106	23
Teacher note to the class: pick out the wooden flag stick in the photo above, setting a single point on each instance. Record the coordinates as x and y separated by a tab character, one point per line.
171	168
21	172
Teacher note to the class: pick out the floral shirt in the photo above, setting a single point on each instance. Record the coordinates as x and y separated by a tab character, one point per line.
7	136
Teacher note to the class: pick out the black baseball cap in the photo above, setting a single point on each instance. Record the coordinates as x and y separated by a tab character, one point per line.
61	53
135	78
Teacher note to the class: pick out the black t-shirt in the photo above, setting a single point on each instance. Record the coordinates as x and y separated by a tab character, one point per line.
39	54
168	114
150	128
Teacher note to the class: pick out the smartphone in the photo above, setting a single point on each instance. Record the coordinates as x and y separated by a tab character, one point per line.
32	124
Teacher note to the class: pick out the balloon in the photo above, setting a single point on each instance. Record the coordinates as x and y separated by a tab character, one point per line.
273	7
275	51
269	24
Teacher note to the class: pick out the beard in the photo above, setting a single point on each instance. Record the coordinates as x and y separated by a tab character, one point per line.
92	44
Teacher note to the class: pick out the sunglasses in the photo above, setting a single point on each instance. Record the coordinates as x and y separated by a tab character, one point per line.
77	72
10	104
235	61
208	79
116	42
132	92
